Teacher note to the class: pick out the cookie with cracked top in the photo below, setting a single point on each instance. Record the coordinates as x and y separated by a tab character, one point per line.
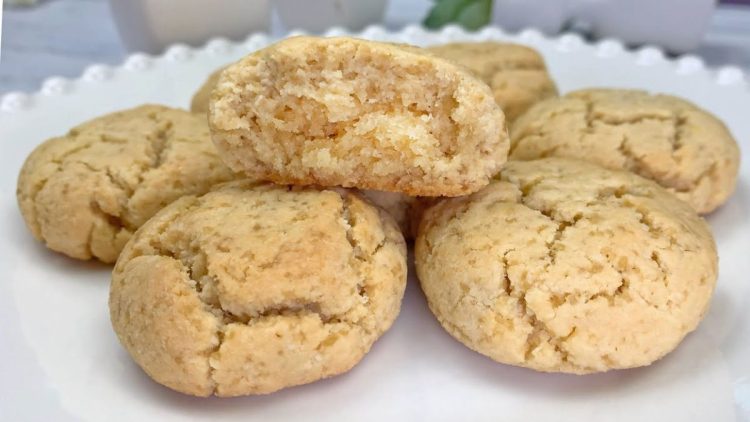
664	138
516	73
355	113
251	288
85	193
564	266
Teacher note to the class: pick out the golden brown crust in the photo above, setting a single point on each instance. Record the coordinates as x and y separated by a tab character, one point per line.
354	113
254	287
563	266
667	139
85	193
516	74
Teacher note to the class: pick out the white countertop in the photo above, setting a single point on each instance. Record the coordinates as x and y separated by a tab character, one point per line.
62	37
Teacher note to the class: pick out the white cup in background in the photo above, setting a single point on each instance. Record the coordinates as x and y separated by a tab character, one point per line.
152	25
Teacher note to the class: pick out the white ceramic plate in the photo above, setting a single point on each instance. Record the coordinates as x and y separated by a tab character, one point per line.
60	360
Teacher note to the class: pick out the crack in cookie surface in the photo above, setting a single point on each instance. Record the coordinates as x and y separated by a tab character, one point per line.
564	266
659	137
330	308
109	171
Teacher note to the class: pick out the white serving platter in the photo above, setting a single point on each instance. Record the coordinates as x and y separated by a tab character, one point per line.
60	360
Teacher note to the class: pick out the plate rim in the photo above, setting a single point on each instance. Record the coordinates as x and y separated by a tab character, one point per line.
646	55
566	44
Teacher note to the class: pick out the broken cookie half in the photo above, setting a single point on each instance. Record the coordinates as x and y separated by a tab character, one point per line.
354	113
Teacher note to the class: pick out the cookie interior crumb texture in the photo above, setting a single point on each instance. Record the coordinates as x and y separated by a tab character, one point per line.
516	74
563	266
253	288
355	113
85	193
680	146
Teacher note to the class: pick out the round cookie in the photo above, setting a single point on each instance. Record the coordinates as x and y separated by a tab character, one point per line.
516	74
199	103
85	193
563	266
355	113
251	288
669	140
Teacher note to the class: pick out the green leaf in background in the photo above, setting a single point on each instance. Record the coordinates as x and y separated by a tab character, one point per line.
444	11
475	15
471	14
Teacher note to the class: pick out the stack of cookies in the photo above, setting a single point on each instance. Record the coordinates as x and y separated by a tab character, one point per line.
259	240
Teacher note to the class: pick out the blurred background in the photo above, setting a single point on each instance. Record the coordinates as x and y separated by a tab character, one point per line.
42	38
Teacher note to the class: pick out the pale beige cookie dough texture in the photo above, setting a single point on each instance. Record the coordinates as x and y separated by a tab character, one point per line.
398	205
85	193
355	113
516	74
680	146
253	288
564	266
